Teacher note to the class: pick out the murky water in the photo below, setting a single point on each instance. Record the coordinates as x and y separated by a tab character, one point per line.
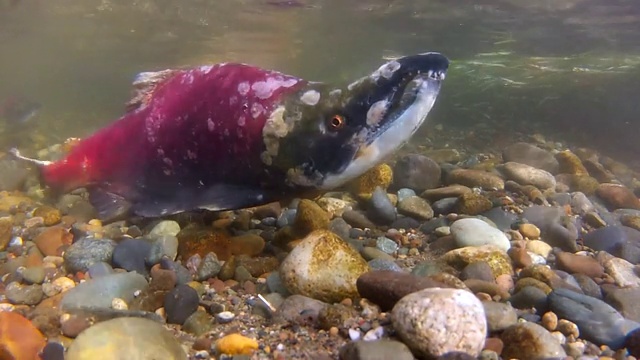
567	68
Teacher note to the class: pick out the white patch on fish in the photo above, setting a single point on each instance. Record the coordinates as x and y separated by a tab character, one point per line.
376	112
386	70
256	110
310	97
211	125
265	89
243	88
242	121
205	68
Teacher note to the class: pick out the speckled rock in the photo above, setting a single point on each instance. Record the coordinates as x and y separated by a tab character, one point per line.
380	175
324	267
126	338
497	259
473	204
528	175
88	251
570	163
499	315
476	232
416	207
100	292
433	322
530	341
475	178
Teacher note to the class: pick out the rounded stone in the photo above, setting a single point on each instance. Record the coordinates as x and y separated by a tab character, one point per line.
433	322
126	338
475	232
324	267
528	175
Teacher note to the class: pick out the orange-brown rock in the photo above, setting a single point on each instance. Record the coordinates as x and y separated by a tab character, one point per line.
19	339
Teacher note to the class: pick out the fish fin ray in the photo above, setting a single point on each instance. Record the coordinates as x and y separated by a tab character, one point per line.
219	197
144	85
108	205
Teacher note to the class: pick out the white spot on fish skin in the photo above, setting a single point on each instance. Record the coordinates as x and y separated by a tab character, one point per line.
243	88
256	110
160	151
310	97
376	112
233	100
335	92
264	89
191	155
188	78
387	70
167	161
211	125
242	121
205	68
226	132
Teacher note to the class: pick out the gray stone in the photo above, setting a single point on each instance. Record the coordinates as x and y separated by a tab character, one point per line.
475	232
86	252
499	315
597	321
100	292
416	172
375	350
532	155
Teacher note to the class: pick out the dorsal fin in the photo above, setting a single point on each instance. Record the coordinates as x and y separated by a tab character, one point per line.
144	84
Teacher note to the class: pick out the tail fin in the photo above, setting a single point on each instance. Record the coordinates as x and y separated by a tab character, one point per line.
39	164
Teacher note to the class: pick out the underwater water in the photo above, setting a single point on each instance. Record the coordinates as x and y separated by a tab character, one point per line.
569	70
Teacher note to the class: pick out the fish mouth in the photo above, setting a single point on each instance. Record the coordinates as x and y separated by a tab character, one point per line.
398	98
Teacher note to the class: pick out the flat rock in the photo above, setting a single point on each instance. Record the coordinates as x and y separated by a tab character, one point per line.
433	322
126	338
618	196
98	293
475	178
597	321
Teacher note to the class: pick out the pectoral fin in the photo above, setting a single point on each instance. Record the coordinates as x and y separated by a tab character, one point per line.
108	205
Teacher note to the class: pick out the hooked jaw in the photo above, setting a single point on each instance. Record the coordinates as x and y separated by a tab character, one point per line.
399	96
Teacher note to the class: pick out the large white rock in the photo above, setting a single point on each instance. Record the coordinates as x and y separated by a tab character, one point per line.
435	321
475	232
324	267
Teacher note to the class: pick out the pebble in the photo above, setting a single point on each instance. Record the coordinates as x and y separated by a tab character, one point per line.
528	175
23	294
126	338
381	210
530	341
625	300
198	323
529	231
416	207
539	247
384	264
99	269
19	338
479	270
499	315
386	245
209	267
497	259
131	255
300	310
385	288
235	344
597	321
225	317
88	251
450	191
180	303
162	245
582	264
475	178
324	267
556	228
33	274
165	228
426	320
52	241
475	232
550	321
618	196
416	172
98	293
378	349
531	155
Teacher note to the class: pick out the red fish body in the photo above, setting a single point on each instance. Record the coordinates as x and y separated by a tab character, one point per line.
232	135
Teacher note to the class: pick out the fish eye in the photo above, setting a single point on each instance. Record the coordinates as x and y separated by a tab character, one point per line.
337	122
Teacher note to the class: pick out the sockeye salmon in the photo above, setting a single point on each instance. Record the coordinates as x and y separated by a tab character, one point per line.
231	136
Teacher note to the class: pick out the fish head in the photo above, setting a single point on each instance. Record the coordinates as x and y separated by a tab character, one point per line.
324	137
